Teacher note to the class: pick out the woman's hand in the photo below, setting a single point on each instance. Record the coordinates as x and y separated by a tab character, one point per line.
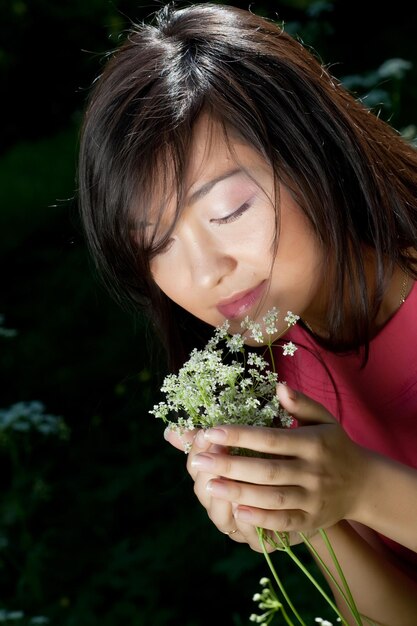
311	479
219	510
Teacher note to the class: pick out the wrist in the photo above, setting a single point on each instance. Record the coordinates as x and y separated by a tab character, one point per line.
387	502
361	470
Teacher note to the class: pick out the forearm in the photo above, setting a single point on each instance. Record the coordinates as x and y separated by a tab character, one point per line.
388	502
381	592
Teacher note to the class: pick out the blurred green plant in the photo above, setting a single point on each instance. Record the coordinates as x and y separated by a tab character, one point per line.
18	618
381	89
8	333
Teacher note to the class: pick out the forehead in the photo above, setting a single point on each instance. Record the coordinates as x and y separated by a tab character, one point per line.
215	151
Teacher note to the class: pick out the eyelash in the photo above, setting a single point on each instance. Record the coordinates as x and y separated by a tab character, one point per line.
223	220
233	216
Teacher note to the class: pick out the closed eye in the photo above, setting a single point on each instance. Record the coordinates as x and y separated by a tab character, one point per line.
233	216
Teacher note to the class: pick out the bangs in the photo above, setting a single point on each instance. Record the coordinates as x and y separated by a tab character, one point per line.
161	194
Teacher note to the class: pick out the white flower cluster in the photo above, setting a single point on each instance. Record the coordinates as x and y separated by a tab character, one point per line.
26	416
269	604
6	332
213	388
269	323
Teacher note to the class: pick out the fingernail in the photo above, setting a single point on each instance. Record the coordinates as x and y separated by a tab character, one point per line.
202	461
244	515
200	440
216	435
166	433
217	488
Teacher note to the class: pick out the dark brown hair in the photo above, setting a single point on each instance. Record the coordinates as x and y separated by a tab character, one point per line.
352	174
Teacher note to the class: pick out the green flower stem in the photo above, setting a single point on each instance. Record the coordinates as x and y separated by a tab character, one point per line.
278	581
351	603
271	354
285	616
326	569
347	596
271	613
319	588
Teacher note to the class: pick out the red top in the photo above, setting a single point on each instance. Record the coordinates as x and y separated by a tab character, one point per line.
377	405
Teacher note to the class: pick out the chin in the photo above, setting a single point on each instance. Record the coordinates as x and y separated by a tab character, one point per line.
248	341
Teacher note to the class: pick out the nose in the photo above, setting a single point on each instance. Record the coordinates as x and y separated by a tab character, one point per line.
208	261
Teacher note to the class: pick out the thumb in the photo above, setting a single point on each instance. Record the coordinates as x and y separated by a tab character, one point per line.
301	407
181	442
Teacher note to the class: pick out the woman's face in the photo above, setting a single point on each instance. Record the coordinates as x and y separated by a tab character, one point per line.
220	261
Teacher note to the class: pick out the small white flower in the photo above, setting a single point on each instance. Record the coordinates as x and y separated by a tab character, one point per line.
187	447
245	323
256	333
291	318
285	418
271	329
270	321
235	343
288	349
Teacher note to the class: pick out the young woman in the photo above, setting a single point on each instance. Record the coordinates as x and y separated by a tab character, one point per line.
222	172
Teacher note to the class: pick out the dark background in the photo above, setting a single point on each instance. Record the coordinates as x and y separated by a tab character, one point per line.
98	522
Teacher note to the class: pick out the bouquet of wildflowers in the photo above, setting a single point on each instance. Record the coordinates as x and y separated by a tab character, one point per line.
225	384
212	388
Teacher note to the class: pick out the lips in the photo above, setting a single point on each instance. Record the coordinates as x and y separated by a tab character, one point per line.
240	303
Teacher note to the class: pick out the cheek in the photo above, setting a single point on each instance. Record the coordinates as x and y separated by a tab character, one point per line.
297	259
170	278
161	272
256	237
297	241
298	263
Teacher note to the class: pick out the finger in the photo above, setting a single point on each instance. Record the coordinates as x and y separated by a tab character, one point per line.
277	521
246	533
201	492
272	442
271	498
219	511
274	540
221	514
268	541
302	407
254	470
185	441
201	446
182	442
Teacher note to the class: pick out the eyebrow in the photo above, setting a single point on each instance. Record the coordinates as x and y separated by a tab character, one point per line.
202	191
207	187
